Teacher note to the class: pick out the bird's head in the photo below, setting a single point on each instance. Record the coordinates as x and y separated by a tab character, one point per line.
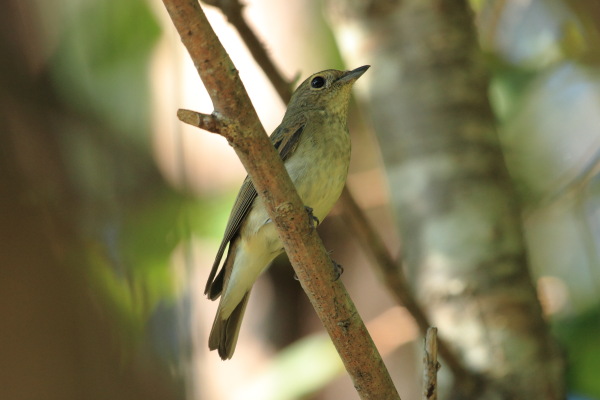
327	90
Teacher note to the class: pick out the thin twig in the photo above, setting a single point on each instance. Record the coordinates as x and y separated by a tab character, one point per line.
209	122
232	9
310	261
430	365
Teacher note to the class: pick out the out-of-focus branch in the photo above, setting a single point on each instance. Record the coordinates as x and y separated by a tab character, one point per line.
305	250
392	277
232	9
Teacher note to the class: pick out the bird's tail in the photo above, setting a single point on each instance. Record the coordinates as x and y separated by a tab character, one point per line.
225	331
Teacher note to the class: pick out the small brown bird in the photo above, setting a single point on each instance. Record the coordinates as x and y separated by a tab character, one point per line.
314	143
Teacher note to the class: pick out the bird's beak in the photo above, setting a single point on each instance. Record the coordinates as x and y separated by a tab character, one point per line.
353	75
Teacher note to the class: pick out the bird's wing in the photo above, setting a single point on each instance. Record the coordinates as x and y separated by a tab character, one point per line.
285	139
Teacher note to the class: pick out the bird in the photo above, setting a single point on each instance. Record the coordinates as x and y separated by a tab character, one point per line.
314	143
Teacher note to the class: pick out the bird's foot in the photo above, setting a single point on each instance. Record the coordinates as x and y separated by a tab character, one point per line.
338	270
314	221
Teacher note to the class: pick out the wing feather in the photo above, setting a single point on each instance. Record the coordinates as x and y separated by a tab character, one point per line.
285	141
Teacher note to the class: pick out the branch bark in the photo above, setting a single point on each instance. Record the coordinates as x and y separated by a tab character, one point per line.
302	244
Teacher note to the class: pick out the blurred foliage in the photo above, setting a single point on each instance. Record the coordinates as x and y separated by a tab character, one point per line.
131	220
100	66
579	334
287	378
507	87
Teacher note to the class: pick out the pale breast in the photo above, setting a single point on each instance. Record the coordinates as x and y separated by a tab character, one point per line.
319	168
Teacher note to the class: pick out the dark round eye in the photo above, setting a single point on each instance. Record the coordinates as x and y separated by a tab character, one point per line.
317	82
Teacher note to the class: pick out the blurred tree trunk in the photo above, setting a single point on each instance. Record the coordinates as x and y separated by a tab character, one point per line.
452	197
57	343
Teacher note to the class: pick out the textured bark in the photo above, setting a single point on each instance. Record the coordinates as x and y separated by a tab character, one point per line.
451	193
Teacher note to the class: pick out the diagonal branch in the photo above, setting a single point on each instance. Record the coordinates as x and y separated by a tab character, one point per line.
371	241
305	250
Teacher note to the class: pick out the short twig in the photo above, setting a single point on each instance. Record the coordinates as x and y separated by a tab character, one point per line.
208	122
430	365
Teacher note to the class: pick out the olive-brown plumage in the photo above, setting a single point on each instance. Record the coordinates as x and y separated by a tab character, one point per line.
314	143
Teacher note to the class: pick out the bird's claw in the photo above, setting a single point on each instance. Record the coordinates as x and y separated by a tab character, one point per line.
314	221
339	270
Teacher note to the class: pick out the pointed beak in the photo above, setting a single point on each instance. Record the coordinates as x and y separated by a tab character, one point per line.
353	75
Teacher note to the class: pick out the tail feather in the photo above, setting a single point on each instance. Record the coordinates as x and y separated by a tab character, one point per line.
225	331
214	287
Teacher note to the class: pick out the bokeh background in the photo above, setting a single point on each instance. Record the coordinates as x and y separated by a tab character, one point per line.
111	210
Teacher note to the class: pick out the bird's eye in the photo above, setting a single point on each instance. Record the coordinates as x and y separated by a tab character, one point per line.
317	82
